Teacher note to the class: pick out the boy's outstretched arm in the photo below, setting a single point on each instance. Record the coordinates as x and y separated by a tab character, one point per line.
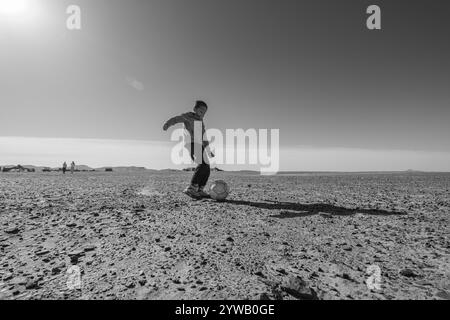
173	121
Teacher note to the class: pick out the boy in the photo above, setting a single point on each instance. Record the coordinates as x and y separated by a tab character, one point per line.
197	144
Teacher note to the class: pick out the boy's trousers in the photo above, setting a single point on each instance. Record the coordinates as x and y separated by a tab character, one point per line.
203	170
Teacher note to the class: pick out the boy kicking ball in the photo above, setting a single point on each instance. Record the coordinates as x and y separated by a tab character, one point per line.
196	147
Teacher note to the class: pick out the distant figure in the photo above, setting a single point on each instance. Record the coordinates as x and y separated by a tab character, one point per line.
64	167
72	167
202	171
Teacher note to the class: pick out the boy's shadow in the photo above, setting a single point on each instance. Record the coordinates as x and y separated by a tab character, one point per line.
294	210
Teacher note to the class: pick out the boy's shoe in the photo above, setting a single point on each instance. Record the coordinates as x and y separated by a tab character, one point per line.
192	192
203	194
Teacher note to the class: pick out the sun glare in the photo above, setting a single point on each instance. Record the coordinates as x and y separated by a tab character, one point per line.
20	13
12	7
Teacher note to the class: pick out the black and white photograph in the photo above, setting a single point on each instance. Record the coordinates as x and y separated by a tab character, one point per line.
251	151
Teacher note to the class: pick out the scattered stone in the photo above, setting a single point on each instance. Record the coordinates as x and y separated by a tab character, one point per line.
264	296
19	281
167	249
89	247
56	270
281	270
16	292
346	276
42	252
325	215
259	274
298	288
31	284
443	295
75	253
408	273
12	230
7	276
112	271
143	293
142	282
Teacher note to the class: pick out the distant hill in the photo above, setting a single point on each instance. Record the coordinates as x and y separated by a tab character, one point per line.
169	170
81	167
25	166
124	169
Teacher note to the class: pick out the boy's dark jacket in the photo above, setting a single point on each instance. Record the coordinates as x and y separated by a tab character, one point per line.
188	119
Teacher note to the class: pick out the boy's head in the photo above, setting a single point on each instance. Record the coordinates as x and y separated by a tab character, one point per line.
200	108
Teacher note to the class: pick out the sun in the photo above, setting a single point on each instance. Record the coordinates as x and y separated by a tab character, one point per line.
20	13
13	7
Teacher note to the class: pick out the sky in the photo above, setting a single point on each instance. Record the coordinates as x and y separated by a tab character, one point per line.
343	97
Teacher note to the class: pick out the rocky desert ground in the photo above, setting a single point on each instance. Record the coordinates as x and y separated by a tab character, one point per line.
304	236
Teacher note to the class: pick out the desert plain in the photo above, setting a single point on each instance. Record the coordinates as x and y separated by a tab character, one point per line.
288	236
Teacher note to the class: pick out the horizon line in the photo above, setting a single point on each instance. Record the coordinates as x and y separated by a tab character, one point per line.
244	170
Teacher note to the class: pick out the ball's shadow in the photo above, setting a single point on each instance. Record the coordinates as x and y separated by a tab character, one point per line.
294	210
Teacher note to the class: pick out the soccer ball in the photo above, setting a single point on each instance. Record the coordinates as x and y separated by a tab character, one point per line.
219	190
